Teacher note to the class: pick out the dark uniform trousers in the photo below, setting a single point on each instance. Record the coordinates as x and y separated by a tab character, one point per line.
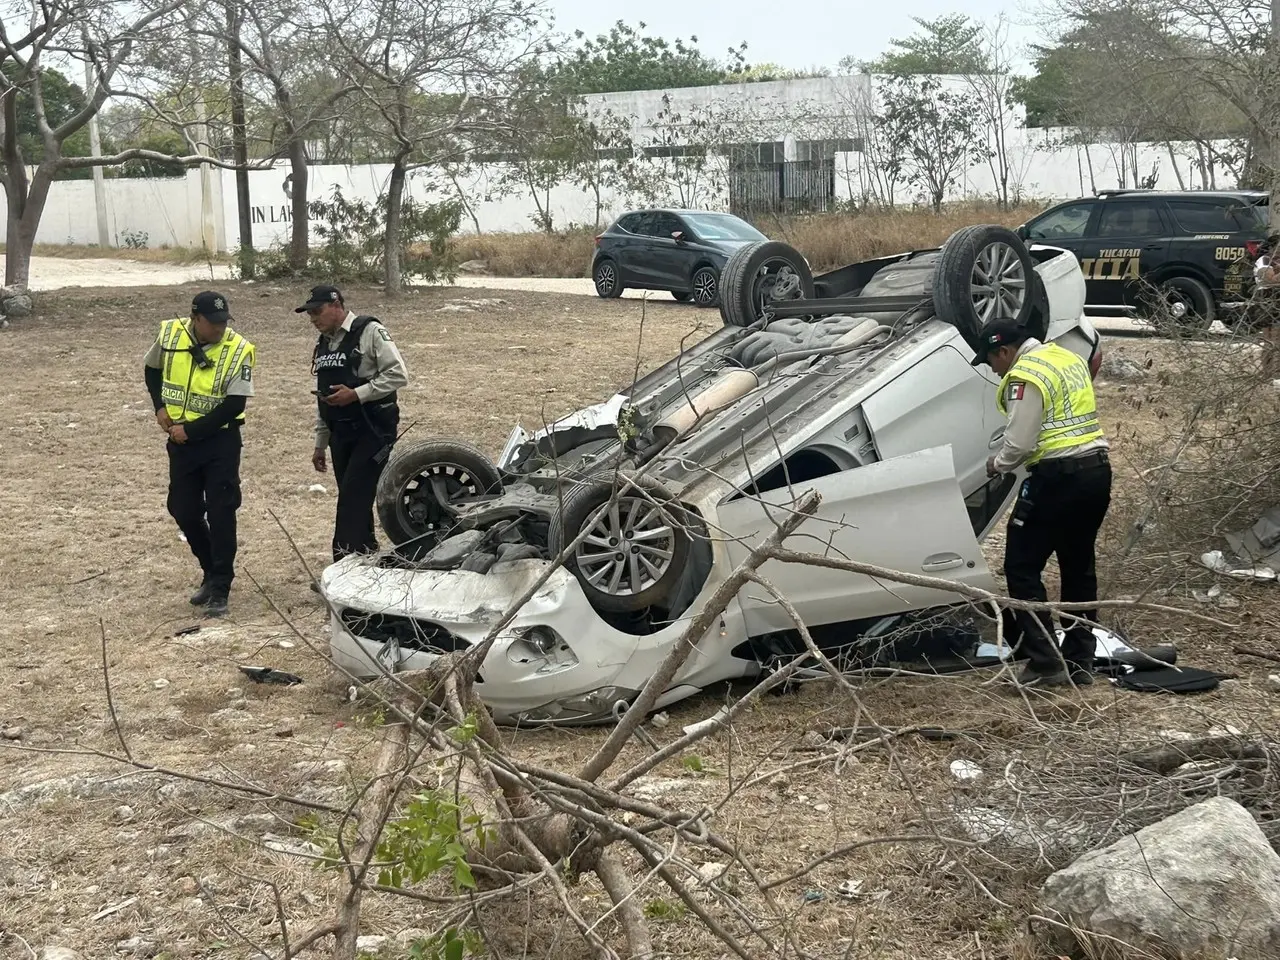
204	495
1059	511
359	454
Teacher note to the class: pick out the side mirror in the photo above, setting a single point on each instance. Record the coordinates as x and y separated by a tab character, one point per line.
678	236
1023	232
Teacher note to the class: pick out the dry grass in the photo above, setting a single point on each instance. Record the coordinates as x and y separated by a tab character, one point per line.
829	240
181	256
85	536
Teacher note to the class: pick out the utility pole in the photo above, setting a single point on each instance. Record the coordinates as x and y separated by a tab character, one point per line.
239	140
95	150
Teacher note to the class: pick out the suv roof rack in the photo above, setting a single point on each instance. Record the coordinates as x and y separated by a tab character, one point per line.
1111	193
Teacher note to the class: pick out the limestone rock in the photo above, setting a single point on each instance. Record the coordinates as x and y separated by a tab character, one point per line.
1205	881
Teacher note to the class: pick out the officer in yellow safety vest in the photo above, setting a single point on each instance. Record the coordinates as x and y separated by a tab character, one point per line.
199	373
1053	430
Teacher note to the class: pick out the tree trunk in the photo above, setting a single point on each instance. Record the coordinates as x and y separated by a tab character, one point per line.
300	239
25	207
394	273
239	141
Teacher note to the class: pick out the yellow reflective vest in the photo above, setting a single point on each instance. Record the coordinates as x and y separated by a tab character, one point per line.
1070	411
189	390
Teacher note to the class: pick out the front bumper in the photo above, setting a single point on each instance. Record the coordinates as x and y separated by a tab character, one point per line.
557	661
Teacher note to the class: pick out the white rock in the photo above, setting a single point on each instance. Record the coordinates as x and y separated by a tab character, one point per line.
965	770
712	871
1273	682
123	813
317	488
822	807
1205	879
160	684
58	953
370	944
12	733
659	720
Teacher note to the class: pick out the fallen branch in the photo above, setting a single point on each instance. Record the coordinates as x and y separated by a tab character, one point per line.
1260	654
1168	757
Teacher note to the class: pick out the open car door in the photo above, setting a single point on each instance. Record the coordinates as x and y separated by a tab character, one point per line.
904	514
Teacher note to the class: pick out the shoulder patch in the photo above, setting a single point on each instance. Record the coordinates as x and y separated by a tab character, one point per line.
384	333
1014	391
246	371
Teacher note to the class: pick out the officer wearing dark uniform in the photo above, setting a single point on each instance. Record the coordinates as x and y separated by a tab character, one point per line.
199	373
358	372
1053	429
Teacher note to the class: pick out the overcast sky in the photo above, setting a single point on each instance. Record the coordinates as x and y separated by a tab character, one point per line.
795	34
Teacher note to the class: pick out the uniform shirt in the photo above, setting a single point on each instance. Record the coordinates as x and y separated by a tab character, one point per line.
1026	415
380	364
238	387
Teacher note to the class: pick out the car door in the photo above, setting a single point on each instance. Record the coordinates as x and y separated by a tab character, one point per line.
667	257
1211	238
624	245
1127	239
941	399
902	514
638	268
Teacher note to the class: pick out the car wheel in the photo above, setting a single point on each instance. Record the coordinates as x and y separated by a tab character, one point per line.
420	485
706	287
605	277
637	546
681	295
758	275
984	272
1187	306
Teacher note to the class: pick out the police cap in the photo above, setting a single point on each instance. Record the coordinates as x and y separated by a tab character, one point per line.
212	306
997	333
321	295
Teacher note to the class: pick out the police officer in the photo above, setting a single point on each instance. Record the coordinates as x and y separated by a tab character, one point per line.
1046	392
199	373
358	370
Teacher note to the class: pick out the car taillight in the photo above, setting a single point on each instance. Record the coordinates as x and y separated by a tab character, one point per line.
598	236
1095	363
1252	246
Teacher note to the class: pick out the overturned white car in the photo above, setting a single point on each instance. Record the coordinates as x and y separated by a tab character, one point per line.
857	383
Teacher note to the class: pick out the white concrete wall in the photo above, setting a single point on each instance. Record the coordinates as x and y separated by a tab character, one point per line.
169	211
166	210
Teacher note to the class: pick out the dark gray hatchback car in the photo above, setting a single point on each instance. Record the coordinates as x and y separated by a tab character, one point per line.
682	251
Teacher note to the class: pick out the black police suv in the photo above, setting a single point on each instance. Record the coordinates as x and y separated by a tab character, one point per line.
1195	247
678	250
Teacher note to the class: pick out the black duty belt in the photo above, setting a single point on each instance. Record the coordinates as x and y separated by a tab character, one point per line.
1061	465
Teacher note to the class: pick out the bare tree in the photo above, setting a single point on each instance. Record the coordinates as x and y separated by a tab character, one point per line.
110	43
993	91
431	71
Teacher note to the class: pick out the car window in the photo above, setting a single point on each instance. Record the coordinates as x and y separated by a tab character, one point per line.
665	224
629	222
1195	216
1253	216
1129	220
648	225
1067	223
720	226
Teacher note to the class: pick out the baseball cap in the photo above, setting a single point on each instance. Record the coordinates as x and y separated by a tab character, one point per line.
320	296
212	306
996	334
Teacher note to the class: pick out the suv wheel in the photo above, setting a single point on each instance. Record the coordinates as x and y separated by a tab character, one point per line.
1186	306
758	275
606	280
420	485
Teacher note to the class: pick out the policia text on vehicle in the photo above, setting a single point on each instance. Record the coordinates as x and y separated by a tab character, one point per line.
1053	429
358	371
199	373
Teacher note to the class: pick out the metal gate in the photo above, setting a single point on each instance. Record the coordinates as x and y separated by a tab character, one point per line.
793	186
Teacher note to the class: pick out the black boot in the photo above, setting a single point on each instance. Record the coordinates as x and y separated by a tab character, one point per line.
203	595
217	606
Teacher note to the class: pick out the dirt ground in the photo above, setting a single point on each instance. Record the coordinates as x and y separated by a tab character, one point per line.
109	861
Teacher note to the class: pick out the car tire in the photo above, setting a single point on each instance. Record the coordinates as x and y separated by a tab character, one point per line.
683	296
742	298
1195	296
604	275
593	562
407	500
706	287
968	256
